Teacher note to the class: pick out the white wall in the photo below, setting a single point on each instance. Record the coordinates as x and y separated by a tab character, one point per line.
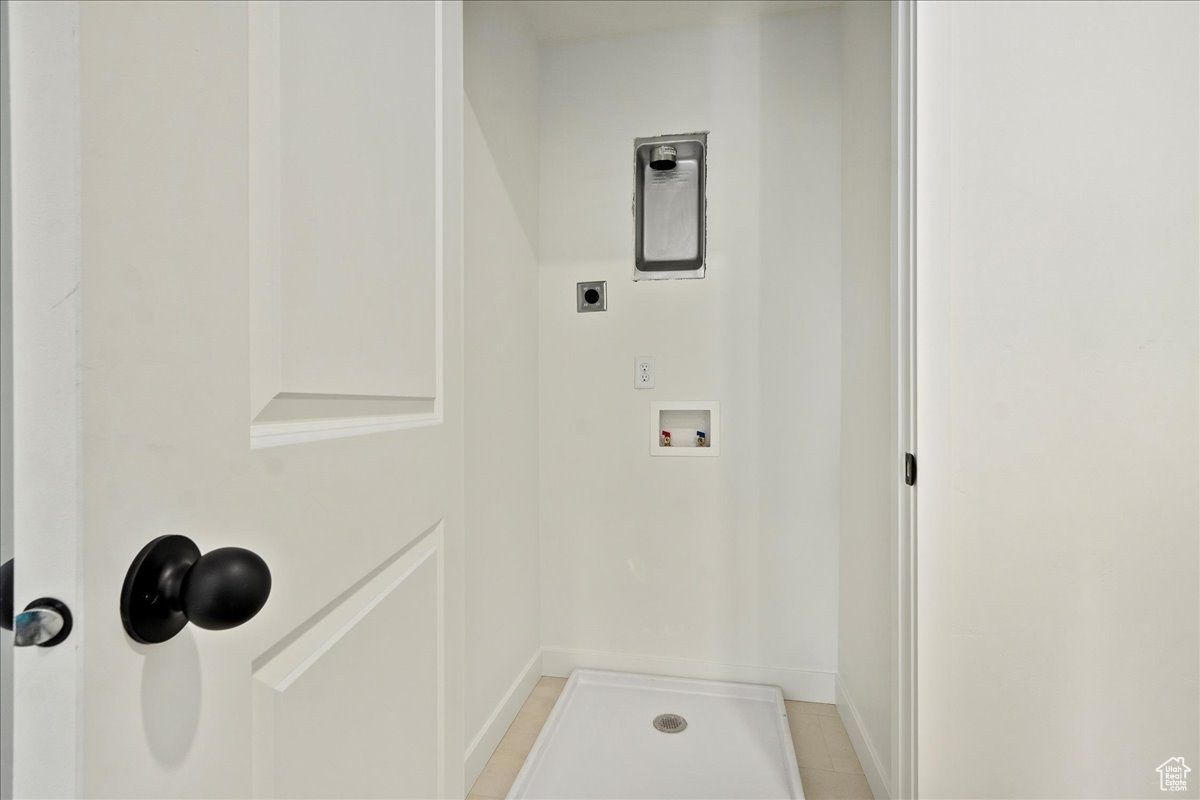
868	460
1059	492
501	63
720	566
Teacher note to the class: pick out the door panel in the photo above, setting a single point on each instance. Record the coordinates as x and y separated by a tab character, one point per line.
366	666
345	211
357	197
321	274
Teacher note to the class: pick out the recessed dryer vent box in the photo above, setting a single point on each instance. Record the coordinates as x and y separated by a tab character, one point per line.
683	419
669	213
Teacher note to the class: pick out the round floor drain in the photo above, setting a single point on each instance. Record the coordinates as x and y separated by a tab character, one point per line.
670	723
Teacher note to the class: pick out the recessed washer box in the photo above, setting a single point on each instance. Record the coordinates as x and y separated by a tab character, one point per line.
618	735
683	418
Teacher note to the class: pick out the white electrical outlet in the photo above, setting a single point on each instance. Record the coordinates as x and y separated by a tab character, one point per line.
643	372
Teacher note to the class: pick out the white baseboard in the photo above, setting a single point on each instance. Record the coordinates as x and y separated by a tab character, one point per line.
489	736
797	684
867	755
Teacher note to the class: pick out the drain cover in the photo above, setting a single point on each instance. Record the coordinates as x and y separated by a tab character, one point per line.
670	723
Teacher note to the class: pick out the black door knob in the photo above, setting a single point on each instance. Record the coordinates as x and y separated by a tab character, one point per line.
170	584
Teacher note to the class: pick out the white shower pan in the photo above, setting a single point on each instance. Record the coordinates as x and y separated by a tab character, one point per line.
601	741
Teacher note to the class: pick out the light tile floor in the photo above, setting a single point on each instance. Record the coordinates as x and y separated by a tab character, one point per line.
829	768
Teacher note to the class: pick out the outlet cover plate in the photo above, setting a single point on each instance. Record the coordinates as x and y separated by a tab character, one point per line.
591	296
643	372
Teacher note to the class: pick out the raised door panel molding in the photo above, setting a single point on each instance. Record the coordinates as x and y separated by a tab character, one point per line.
346	217
372	664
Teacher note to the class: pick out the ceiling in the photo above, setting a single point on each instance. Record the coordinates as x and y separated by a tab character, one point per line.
563	20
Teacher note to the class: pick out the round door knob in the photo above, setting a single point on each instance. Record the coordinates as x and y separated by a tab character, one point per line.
170	584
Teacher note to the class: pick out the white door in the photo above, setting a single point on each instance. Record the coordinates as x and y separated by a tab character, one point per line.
237	316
